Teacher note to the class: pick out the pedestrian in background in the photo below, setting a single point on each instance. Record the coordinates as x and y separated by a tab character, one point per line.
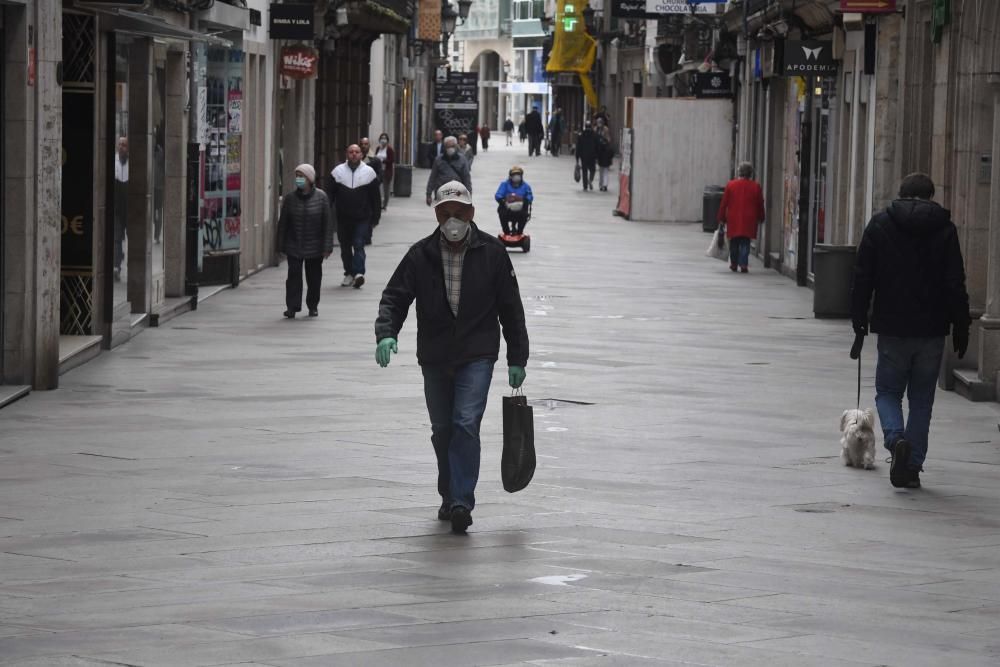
586	155
465	149
484	134
436	149
536	131
555	132
522	131
910	260
605	154
508	130
355	195
451	166
305	237
741	210
368	157
458	337
387	159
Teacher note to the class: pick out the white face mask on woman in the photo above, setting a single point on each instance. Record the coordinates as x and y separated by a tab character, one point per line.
455	229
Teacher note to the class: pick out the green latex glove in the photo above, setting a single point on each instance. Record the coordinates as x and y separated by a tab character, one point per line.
384	350
516	375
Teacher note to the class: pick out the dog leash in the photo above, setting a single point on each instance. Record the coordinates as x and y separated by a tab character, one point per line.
859	382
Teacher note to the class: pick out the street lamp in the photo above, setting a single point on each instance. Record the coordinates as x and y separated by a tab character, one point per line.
463	9
448	18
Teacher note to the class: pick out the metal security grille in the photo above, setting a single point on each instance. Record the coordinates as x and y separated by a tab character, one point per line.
79	50
76	304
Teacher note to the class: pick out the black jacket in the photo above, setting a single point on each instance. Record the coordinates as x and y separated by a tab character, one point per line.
305	227
910	259
355	194
586	147
490	298
533	124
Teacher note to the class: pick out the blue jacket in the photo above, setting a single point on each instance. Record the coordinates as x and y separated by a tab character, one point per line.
506	188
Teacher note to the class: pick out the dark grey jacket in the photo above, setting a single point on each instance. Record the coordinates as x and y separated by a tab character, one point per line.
305	227
910	260
490	300
445	169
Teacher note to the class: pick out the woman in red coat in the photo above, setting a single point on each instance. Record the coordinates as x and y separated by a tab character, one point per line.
741	211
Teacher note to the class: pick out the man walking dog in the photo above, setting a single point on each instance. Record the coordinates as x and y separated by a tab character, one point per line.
466	290
910	260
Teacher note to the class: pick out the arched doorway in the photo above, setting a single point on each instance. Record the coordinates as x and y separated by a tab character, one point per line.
489	65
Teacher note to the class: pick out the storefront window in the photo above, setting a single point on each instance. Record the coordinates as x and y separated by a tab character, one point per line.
221	213
120	168
822	89
159	112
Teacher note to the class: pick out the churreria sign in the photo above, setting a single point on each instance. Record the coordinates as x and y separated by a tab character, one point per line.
811	57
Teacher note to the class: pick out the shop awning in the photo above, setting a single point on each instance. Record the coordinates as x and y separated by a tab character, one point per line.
147	25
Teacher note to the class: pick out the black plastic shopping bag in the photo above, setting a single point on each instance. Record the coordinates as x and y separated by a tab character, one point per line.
517	465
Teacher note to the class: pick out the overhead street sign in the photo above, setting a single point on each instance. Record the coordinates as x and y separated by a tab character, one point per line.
868	6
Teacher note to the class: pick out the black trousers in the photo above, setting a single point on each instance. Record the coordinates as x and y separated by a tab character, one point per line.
512	223
587	169
534	144
293	286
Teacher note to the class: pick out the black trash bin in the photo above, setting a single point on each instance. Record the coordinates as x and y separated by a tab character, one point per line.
402	180
833	272
424	154
710	202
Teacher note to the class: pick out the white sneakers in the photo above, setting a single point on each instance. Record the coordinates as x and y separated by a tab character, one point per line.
347	281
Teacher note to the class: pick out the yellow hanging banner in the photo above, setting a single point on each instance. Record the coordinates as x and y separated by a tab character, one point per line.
573	50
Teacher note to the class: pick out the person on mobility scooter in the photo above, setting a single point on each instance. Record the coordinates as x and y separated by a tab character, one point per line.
514	199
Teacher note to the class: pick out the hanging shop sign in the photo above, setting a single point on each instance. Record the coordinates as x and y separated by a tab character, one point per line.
709	85
868	6
292	21
810	57
456	103
654	9
299	62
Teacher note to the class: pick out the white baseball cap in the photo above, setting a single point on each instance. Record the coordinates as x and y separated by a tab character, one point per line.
452	191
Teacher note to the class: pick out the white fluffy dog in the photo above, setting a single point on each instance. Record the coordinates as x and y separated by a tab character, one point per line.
858	441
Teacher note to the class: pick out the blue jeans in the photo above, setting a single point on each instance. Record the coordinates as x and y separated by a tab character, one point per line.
456	399
352	236
739	251
909	365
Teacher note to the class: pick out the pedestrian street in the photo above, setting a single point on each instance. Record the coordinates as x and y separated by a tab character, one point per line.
235	487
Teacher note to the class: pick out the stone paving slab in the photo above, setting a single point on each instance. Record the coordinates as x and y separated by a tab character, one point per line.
237	488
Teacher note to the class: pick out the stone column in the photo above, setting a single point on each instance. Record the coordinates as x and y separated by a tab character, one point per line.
989	339
48	192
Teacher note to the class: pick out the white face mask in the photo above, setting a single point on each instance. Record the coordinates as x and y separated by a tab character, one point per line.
516	180
455	229
450	151
383	142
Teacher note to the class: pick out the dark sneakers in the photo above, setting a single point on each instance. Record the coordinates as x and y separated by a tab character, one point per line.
914	481
461	519
444	512
899	470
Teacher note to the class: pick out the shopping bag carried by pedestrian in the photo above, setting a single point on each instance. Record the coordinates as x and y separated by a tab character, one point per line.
717	248
576	173
517	464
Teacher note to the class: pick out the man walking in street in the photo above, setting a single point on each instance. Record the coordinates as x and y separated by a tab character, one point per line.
466	290
436	149
355	196
536	131
305	237
556	132
910	260
586	155
451	166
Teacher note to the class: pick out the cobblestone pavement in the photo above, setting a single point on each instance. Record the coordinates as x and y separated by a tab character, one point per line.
235	488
